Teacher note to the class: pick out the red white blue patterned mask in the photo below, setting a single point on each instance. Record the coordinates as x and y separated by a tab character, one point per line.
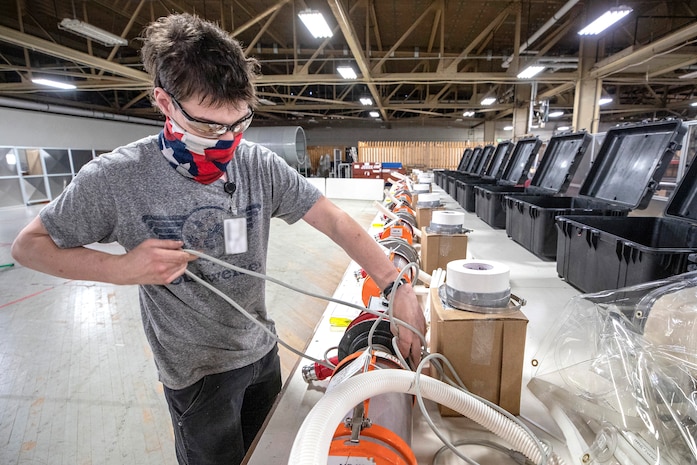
199	158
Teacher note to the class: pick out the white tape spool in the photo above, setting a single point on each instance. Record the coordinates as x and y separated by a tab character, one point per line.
447	217
421	188
429	199
478	285
425	177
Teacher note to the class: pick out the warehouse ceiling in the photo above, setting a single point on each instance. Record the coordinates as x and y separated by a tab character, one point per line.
419	61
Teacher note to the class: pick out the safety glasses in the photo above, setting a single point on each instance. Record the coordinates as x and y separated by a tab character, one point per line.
209	128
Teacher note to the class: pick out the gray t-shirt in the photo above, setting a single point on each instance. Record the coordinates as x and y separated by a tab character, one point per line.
133	194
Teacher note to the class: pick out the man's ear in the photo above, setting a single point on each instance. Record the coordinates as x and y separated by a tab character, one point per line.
162	100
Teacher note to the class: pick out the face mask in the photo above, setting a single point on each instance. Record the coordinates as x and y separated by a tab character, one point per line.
199	158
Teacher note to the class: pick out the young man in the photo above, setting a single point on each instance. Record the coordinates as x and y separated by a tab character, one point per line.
198	185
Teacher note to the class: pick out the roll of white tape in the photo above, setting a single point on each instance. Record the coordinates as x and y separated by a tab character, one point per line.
447	217
419	188
429	197
478	276
425	177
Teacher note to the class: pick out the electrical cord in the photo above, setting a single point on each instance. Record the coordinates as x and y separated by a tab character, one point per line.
215	290
545	449
513	454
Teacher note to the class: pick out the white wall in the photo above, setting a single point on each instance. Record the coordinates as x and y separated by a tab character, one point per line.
28	128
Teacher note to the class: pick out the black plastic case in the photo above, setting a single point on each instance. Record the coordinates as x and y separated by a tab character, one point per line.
452	177
441	176
597	253
493	171
530	217
488	198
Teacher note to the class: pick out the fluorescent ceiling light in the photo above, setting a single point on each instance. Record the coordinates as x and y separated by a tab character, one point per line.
563	128
693	104
608	18
508	128
366	101
488	101
468	114
530	71
91	32
56	84
347	72
374	114
604	101
556	114
691	75
315	23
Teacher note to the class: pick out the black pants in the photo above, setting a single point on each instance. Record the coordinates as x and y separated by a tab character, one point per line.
216	419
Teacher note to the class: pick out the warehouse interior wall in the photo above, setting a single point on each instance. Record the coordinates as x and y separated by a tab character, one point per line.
28	128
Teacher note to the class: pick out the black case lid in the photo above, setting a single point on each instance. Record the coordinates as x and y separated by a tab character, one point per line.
476	155
495	167
632	161
465	159
559	162
516	171
484	159
683	201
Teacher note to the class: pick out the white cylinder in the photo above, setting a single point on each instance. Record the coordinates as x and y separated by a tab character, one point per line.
429	197
478	276
447	217
287	141
425	177
421	188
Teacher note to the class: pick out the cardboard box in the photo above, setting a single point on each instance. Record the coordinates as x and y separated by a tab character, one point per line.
424	214
439	249
485	349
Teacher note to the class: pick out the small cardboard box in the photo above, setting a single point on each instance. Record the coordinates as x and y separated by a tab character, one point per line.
439	249
485	349
424	215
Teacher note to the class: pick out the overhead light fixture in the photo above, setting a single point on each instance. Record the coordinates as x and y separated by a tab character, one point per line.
374	114
508	128
468	114
347	72
530	71
366	101
556	114
91	32
693	104
691	75
607	19
604	101
488	101
315	23
563	128
51	83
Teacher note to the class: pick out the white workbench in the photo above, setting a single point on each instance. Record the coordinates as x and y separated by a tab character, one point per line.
533	279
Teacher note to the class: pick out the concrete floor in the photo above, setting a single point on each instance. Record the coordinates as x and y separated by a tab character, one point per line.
77	381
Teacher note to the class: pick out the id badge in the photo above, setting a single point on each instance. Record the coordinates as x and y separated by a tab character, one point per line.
235	235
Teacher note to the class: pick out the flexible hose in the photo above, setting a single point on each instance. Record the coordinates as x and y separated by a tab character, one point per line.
311	445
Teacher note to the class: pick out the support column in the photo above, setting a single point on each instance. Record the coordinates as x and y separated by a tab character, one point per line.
521	110
588	91
489	131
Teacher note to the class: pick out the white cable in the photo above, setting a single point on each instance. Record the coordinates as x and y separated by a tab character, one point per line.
393	320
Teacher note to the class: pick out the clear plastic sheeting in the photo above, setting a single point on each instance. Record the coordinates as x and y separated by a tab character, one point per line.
618	372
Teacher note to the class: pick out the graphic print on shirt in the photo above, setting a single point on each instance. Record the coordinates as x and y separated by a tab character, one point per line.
202	229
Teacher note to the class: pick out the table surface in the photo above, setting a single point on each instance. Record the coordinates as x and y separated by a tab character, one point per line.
532	278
